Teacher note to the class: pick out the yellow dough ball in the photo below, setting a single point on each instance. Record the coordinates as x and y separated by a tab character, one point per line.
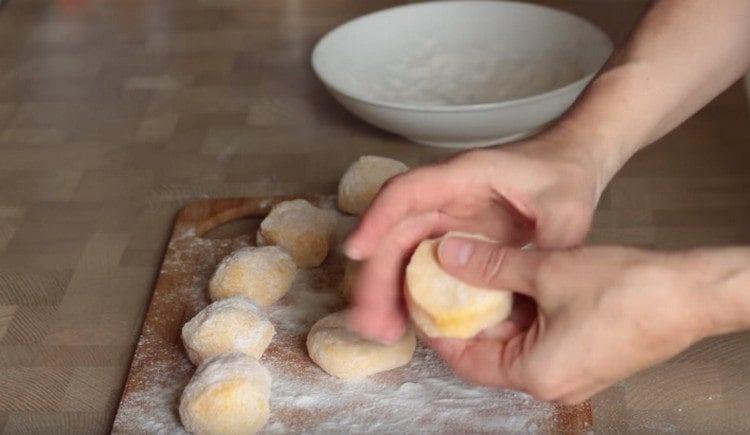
443	306
351	272
302	229
346	355
362	181
227	395
230	325
262	274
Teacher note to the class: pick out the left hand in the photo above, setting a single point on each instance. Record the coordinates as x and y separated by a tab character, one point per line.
602	314
543	190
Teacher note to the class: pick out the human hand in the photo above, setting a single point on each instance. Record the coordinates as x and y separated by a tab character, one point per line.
602	313
538	191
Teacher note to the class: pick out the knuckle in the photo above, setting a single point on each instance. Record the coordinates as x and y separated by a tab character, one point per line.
490	264
408	185
393	184
395	190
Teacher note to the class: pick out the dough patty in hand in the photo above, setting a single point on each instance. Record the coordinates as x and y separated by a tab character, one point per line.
441	305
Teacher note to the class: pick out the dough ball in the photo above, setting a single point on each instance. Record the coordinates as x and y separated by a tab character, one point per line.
229	325
442	306
346	355
351	272
261	274
304	230
362	181
227	395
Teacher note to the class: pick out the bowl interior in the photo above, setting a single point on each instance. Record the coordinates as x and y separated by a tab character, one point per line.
459	53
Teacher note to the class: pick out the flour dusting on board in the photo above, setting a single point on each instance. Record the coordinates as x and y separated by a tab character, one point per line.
423	396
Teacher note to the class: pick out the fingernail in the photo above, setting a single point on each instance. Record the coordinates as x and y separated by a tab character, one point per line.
455	251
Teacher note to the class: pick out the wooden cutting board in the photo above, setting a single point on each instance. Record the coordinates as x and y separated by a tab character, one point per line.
422	396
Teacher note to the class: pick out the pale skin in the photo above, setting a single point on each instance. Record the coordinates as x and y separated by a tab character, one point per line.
600	313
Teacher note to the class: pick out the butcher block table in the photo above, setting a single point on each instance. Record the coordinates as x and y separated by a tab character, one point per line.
114	114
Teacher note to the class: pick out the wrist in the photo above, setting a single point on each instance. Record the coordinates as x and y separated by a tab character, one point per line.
719	281
606	124
590	150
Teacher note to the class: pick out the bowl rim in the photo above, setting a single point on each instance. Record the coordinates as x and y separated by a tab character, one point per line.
451	107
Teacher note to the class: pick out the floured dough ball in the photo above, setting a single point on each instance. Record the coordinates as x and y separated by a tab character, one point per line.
302	229
351	272
443	306
229	325
261	274
346	355
362	181
227	395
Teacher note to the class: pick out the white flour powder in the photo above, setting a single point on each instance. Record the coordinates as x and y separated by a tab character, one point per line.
422	396
469	75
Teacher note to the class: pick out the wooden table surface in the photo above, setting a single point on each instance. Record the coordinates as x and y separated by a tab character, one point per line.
114	113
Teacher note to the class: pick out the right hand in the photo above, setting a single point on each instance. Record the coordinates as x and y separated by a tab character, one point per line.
602	313
537	191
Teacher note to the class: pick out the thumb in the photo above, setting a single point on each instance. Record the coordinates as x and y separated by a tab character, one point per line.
489	265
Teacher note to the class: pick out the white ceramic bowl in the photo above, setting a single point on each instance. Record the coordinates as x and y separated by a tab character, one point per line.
460	73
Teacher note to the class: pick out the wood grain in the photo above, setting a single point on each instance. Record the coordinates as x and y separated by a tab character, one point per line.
160	344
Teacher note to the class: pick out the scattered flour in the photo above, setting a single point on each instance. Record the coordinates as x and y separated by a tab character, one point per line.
464	75
423	396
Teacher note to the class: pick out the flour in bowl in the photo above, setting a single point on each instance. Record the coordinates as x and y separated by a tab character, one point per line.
466	75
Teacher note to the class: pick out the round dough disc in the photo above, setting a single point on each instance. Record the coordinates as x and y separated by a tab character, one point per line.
346	355
443	306
227	394
230	325
302	229
362	181
262	274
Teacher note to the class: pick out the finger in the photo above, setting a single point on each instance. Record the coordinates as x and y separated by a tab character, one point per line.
494	220
490	265
417	191
502	331
377	310
519	320
478	360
